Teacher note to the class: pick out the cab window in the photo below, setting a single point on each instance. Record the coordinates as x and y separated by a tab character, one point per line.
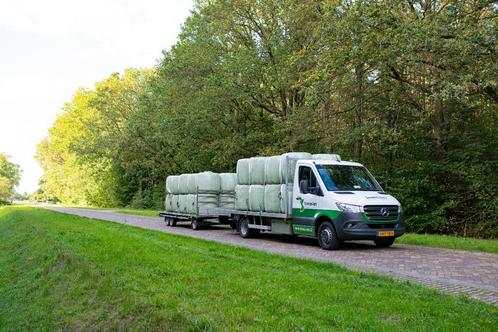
308	183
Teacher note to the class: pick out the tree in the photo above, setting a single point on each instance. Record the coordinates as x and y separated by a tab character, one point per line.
10	175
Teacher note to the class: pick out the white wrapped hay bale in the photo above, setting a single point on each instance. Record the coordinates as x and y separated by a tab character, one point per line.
208	181
207	200
191	203
168	201
174	203
228	181
242	197
291	163
257	197
327	156
272	170
286	197
243	171
182	203
227	201
273	198
182	184
191	183
257	170
172	184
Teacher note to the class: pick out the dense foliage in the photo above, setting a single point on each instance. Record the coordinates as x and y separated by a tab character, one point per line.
10	174
409	88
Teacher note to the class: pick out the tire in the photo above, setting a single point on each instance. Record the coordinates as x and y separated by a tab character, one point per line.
327	237
195	224
245	231
173	222
384	242
168	221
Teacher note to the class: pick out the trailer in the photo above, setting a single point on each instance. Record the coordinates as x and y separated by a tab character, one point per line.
330	200
201	216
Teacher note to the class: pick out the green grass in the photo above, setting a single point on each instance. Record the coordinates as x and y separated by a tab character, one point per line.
138	212
450	242
429	240
59	271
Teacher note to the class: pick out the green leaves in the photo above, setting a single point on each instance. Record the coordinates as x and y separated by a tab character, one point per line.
408	88
10	174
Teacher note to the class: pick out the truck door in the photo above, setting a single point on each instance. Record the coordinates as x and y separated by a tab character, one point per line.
307	203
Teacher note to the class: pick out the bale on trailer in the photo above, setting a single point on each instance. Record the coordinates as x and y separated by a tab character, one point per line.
273	198
243	171
257	170
272	170
228	181
174	203
242	197
182	184
291	163
208	181
257	197
326	156
172	184
191	203
192	183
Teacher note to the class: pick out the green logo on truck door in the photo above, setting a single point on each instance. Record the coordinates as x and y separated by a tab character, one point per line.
304	229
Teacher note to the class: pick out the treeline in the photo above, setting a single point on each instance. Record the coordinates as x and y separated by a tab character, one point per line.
409	88
10	174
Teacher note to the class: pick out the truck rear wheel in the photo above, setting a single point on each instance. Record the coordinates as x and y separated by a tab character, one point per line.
384	242
195	224
244	229
327	237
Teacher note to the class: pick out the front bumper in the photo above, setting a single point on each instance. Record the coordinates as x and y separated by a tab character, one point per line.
354	226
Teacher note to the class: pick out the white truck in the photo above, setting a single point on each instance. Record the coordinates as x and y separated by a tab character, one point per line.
331	200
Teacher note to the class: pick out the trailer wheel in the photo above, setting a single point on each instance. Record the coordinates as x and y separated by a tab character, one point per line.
195	224
244	229
167	221
384	242
327	237
172	222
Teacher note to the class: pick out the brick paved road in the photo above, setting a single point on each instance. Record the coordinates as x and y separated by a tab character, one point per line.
459	272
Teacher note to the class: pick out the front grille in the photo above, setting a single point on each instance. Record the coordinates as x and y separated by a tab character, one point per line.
380	226
374	212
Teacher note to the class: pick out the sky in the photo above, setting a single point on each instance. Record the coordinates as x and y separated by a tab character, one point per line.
50	48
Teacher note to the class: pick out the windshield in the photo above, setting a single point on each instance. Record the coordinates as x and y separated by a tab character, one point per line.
347	178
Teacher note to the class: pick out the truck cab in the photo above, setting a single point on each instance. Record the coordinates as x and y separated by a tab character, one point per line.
340	201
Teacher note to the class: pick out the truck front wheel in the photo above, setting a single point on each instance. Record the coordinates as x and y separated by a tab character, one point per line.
327	237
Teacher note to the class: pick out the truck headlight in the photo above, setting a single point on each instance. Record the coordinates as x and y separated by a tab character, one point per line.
348	207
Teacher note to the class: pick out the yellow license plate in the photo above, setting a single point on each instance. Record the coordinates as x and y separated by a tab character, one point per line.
385	233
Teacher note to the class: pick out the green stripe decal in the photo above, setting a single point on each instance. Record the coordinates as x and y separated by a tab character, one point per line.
303	229
315	213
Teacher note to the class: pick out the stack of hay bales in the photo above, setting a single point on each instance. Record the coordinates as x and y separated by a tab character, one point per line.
228	181
185	191
261	182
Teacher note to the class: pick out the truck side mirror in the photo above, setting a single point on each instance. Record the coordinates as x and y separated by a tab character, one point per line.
315	191
303	185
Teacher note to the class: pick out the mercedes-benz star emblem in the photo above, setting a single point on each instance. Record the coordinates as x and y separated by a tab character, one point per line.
384	212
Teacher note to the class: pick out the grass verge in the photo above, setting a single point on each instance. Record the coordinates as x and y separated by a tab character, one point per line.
59	271
450	242
428	240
